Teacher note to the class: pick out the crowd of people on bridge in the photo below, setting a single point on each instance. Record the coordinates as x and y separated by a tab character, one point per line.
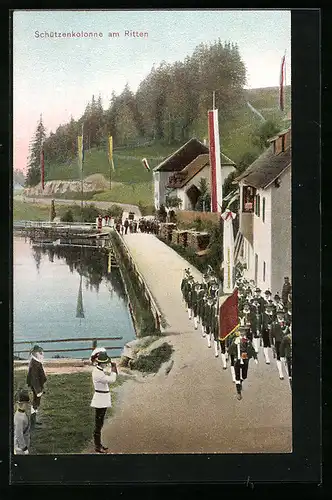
150	226
264	323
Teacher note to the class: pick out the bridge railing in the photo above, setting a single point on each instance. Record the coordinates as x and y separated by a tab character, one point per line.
18	350
26	224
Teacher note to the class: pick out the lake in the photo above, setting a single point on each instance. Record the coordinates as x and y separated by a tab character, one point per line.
47	299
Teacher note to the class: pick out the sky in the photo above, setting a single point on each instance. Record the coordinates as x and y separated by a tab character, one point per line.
56	77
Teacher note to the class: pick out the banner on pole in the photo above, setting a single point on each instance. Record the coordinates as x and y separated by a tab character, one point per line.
282	81
110	151
228	315
215	163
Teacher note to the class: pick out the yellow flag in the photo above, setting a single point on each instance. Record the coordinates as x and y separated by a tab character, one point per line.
110	151
109	262
80	150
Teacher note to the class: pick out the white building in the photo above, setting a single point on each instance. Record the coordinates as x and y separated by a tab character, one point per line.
181	172
264	239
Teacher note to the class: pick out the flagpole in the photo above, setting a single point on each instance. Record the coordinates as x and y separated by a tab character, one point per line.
82	176
285	68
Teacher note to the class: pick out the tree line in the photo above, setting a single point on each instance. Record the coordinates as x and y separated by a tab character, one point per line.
169	104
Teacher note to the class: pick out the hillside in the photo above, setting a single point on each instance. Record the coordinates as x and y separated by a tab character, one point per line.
235	138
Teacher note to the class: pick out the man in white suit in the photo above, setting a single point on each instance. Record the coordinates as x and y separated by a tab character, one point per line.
103	374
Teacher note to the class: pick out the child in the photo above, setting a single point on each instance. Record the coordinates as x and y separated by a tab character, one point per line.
22	424
36	379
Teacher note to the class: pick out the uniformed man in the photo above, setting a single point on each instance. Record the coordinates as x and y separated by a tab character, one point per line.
277	302
184	282
36	379
267	296
202	313
195	302
256	321
103	374
258	298
266	331
245	319
190	295
241	349
215	328
286	352
208	319
278	330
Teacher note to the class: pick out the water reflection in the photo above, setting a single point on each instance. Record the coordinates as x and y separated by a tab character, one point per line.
91	263
50	303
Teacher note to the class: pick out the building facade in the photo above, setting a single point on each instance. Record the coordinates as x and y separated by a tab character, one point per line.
265	238
180	174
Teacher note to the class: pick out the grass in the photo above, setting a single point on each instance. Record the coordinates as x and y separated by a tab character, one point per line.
30	211
125	193
65	411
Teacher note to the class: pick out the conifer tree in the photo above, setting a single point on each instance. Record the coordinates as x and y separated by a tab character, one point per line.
33	173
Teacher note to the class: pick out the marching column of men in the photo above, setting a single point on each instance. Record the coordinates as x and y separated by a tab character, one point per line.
265	322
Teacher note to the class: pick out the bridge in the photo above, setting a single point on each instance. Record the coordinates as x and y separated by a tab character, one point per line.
34	224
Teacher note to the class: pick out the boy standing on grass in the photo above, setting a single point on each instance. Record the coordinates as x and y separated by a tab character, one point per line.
22	424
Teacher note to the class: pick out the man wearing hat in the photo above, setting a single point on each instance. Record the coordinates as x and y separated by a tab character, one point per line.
36	379
101	378
22	424
256	323
286	290
267	296
241	350
195	299
286	352
266	331
278	330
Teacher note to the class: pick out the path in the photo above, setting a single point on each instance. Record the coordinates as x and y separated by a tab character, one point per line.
194	408
60	201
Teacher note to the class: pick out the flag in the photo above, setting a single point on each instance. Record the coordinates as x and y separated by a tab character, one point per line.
228	316
215	164
42	166
282	81
80	149
79	306
110	151
109	262
146	165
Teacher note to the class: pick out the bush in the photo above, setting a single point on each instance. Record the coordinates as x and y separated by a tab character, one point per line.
67	216
152	362
146	209
114	211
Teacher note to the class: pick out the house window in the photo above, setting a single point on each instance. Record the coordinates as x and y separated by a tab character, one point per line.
264	270
257	205
248	196
263	209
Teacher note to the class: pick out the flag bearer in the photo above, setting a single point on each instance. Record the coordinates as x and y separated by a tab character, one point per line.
36	379
22	424
103	374
242	351
278	330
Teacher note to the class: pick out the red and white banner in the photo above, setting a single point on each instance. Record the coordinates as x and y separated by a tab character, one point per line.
215	164
282	82
42	167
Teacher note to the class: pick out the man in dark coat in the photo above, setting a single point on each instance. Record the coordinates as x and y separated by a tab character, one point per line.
126	225
266	331
286	290
241	350
286	352
36	379
278	330
256	323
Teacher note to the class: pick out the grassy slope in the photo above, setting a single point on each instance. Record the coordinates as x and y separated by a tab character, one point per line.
30	211
235	141
65	411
